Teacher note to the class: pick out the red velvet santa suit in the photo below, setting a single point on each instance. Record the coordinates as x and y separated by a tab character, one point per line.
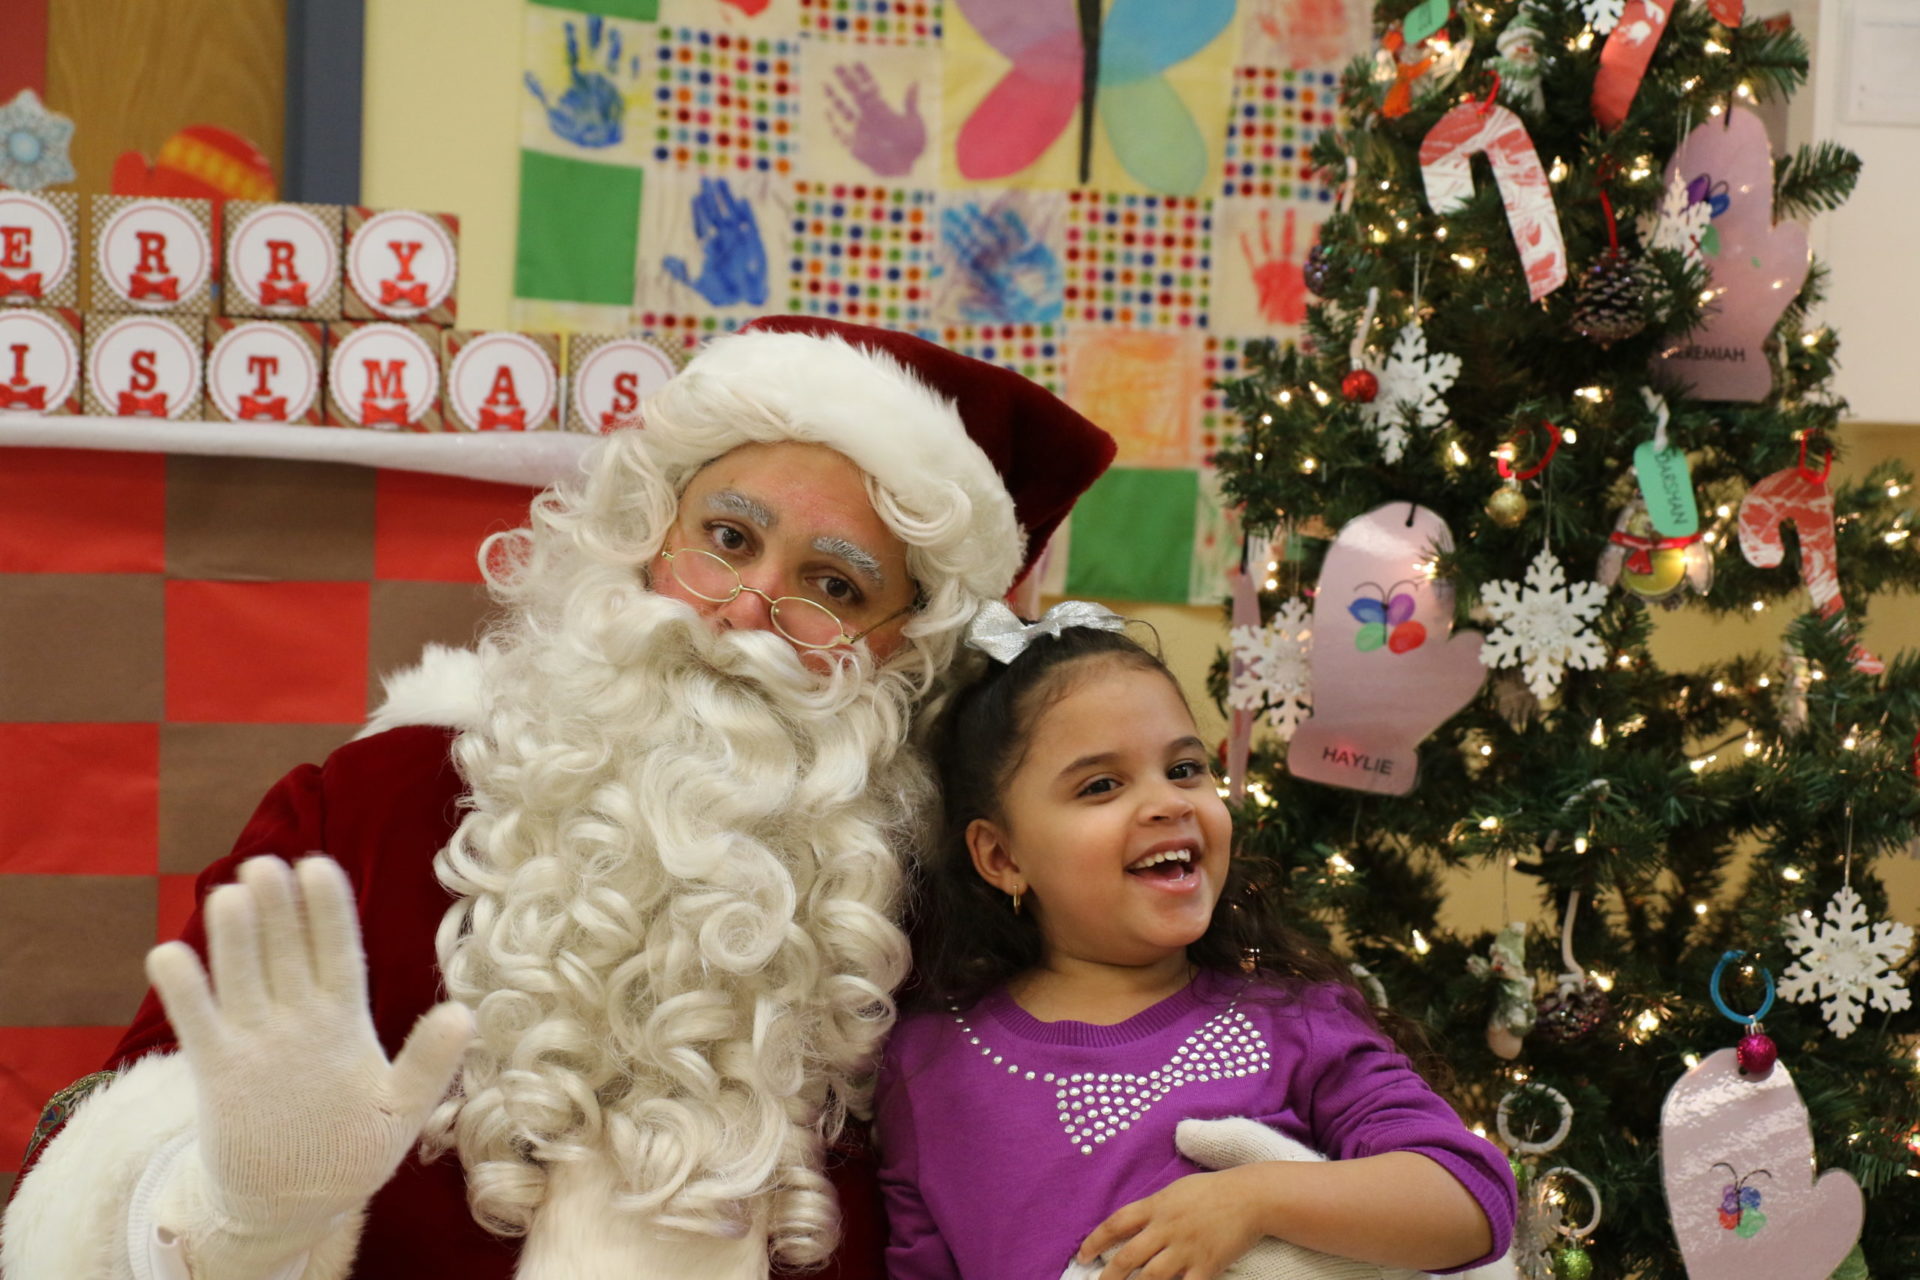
383	807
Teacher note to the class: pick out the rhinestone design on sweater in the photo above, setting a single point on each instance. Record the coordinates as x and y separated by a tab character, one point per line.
1097	1105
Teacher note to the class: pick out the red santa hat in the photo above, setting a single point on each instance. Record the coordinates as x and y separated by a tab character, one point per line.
991	460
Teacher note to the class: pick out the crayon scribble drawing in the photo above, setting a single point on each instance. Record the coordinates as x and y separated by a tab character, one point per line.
868	112
1258	286
1298	34
1144	388
585	86
1018	72
711	244
1000	259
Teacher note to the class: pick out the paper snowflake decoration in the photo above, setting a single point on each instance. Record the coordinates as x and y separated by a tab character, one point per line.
1271	671
33	144
1681	225
1602	15
1845	963
1412	382
1542	625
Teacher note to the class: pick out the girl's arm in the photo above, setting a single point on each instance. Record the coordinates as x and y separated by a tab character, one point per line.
1399	1209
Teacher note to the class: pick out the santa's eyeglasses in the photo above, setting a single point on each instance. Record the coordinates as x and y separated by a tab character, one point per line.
807	623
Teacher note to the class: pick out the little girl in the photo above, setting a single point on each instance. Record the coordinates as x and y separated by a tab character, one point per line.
1093	969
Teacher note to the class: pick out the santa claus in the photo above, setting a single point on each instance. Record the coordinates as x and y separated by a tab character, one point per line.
644	847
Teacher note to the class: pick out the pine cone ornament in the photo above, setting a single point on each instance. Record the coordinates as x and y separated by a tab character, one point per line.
1319	272
1613	297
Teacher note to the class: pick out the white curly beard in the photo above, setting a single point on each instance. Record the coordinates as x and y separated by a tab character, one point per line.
678	887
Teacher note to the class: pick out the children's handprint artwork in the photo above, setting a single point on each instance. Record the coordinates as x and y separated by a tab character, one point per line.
866	114
1297	34
884	140
999	260
1257	282
733	258
1276	270
584	91
711	245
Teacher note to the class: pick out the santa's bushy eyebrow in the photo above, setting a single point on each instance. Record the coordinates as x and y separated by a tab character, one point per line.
734	503
858	558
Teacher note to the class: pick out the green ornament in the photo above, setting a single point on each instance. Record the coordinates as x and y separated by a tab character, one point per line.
1572	1263
1519	1171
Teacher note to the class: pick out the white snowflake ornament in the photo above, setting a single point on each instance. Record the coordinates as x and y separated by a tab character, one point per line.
1680	225
33	144
1542	625
1412	382
1602	15
1845	963
1271	668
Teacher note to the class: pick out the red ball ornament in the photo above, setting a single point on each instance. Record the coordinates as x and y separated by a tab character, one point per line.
1756	1054
1360	385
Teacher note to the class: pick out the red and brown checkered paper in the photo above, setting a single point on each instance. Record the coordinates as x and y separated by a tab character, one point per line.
180	631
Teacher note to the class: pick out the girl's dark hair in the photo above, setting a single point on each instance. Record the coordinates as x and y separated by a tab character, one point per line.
966	939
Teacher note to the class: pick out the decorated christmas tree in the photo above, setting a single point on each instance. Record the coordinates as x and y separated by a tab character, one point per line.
1567	373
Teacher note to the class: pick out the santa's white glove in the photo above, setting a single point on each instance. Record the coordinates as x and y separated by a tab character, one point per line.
301	1118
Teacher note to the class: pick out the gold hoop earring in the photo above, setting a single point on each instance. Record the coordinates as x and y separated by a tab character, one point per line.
1016	900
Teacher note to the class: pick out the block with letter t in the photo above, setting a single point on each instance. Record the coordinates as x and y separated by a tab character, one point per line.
266	370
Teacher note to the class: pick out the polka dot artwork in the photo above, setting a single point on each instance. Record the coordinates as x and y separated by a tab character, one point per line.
862	253
679	332
1095	1107
1137	261
1276	117
1034	351
725	103
1219	424
896	21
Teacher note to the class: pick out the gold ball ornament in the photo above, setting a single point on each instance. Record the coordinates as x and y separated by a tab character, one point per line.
1507	506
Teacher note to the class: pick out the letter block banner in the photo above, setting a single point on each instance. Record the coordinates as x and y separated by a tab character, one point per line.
282	261
608	375
39	249
500	381
384	376
266	370
152	255
143	366
40	360
401	264
179	632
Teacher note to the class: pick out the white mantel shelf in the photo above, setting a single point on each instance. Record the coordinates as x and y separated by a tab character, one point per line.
533	458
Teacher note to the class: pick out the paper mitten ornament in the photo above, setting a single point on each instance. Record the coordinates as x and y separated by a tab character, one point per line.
1387	668
1736	1155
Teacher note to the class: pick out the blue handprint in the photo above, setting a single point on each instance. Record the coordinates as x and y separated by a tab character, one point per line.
1010	276
735	266
591	112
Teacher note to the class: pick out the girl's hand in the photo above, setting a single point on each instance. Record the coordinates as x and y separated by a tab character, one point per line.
1192	1230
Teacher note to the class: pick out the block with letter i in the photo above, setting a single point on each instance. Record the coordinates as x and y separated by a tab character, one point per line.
266	370
500	381
39	249
401	265
40	360
608	375
143	366
282	261
152	255
384	376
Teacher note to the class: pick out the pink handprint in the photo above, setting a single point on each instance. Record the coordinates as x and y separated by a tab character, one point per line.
884	140
1283	290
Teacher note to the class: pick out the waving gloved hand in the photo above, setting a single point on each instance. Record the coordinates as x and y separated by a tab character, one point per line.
301	1117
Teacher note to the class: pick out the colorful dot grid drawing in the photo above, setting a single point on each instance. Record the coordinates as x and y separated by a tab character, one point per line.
862	253
1138	261
1219	424
725	101
1276	116
685	332
895	20
1034	351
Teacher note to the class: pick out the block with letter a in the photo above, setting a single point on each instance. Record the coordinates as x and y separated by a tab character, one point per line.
152	255
384	376
142	367
282	260
499	381
610	375
40	362
39	249
267	371
401	264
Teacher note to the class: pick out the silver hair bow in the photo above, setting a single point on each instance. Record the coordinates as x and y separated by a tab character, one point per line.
998	632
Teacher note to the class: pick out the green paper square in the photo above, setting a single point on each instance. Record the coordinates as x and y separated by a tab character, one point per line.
579	230
635	10
1133	536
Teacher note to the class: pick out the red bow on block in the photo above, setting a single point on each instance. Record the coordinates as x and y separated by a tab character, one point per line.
411	295
372	414
28	284
132	405
509	420
294	294
274	408
22	397
167	287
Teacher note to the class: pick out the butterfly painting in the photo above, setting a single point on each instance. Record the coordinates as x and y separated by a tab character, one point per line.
1072	65
1704	190
1740	1205
1386	619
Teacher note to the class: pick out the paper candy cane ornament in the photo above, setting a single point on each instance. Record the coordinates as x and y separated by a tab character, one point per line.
1624	58
1758	267
1446	160
1799	497
1736	1155
1386	670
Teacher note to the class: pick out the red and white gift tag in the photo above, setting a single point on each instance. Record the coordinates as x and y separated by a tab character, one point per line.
142	367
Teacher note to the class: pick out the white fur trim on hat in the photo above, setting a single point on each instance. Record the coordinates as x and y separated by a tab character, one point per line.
764	387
